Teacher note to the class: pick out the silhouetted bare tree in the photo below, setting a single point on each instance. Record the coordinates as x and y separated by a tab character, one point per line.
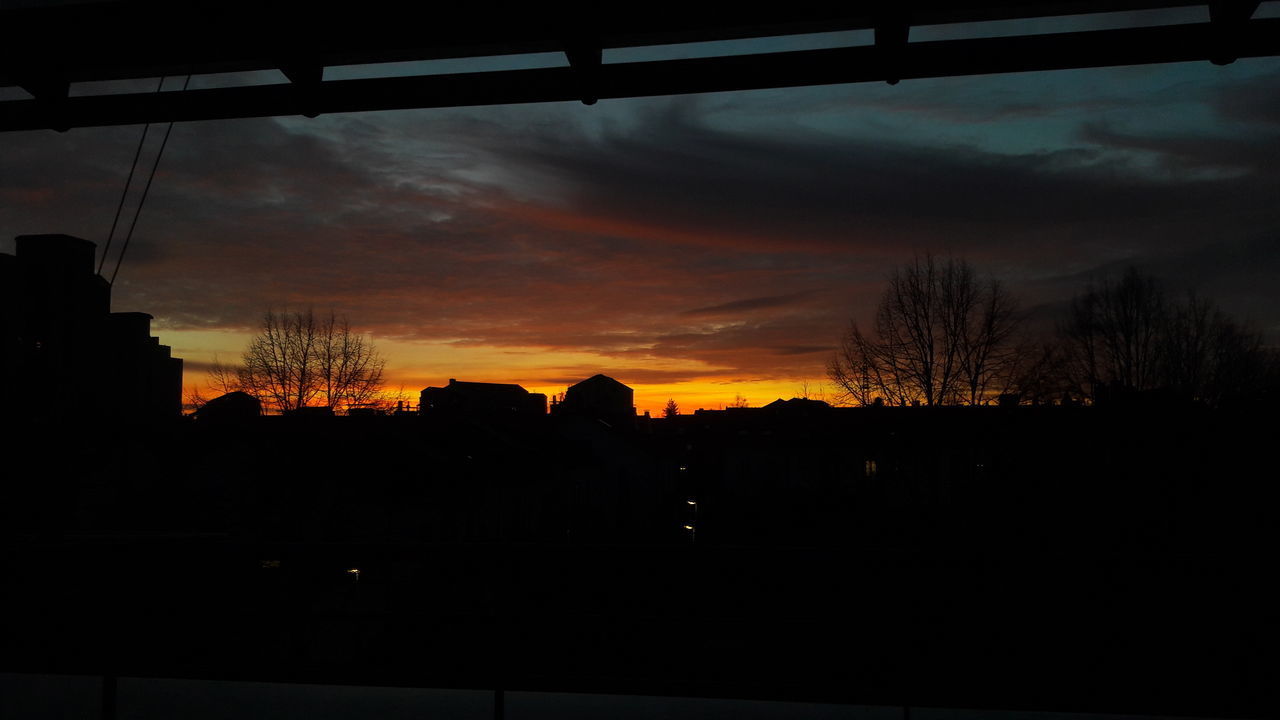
193	399
1209	357
987	324
1041	378
349	368
220	379
806	393
1114	335
940	336
223	378
862	373
297	360
1130	335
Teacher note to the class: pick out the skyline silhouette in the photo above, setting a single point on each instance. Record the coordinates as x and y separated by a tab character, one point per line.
942	335
678	243
493	385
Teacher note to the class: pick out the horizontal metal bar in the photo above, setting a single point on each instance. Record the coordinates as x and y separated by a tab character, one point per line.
117	40
1179	43
754	689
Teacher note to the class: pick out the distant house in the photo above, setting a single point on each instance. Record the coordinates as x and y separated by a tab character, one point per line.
482	401
797	407
65	352
600	397
232	407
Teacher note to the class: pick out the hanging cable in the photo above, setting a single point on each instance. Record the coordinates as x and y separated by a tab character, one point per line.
145	189
127	182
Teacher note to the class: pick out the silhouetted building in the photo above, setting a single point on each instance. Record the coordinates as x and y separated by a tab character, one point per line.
65	351
233	407
477	400
600	397
798	407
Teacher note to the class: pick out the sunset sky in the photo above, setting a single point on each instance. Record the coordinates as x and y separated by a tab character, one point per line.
695	247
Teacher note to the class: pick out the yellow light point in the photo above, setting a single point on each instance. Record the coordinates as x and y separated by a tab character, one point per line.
688	527
692	502
354	571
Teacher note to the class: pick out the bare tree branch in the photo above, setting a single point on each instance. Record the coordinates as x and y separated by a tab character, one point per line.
940	336
296	361
1130	336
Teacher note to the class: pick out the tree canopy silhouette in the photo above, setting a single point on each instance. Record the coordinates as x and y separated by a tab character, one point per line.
940	336
1131	335
298	360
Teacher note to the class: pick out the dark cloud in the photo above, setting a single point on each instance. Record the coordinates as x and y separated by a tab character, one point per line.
969	101
669	234
748	305
1238	275
812	193
201	367
803	349
1246	102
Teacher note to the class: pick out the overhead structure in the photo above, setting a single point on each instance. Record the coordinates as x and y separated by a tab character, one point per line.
51	49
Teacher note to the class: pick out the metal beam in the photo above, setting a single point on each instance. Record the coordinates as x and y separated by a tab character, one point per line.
306	74
1179	43
1227	17
586	57
118	40
891	34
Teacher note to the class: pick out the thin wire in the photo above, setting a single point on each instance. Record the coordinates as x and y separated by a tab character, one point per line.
146	188
127	182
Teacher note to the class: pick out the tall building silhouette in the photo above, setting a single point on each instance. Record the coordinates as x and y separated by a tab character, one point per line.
65	353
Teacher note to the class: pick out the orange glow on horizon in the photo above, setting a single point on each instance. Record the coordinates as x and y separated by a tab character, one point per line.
417	365
689	396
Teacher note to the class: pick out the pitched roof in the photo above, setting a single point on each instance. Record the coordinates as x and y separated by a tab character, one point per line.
599	379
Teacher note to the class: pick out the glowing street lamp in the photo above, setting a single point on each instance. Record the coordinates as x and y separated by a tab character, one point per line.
355	574
692	504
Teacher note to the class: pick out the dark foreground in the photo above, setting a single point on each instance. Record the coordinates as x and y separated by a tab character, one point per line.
1023	563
